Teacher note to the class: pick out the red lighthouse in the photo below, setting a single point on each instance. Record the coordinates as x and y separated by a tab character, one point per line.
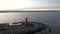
26	21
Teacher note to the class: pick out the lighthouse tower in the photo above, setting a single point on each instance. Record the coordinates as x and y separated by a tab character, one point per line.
26	21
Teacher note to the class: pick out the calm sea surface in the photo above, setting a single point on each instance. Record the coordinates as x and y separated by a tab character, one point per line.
50	18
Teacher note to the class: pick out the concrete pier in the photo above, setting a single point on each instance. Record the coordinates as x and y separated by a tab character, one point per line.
22	29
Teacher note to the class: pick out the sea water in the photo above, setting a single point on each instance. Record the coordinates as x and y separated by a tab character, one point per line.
50	18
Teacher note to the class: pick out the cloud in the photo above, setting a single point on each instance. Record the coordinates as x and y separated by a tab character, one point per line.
29	4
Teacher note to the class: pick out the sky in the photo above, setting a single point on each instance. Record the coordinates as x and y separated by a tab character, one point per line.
29	4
